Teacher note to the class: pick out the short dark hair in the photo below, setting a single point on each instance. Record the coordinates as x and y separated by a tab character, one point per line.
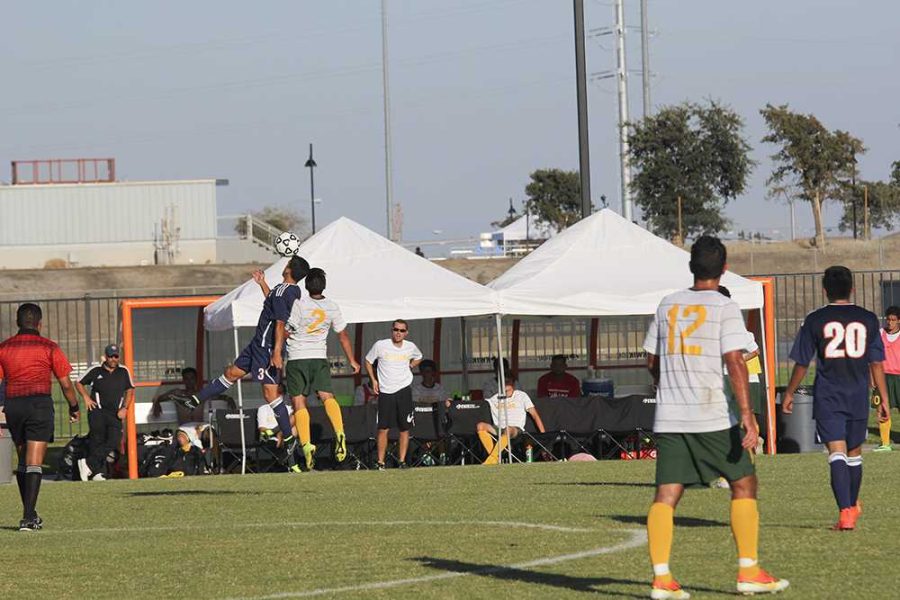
725	291
401	321
28	316
557	357
509	376
315	281
428	364
892	311
188	371
838	283
708	257
299	267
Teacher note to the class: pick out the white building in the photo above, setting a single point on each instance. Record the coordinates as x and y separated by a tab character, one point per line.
107	224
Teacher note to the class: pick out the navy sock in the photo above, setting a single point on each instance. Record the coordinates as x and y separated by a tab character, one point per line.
840	479
33	476
20	480
214	388
282	416
854	465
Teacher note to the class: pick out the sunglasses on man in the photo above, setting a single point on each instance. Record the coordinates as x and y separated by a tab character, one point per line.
399	330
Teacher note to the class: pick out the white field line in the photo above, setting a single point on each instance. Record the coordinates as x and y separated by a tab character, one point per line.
298	524
637	538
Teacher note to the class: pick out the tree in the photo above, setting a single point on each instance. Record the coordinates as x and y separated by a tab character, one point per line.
554	197
279	217
692	152
812	158
881	200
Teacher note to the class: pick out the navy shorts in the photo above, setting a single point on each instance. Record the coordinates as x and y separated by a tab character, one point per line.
254	360
839	427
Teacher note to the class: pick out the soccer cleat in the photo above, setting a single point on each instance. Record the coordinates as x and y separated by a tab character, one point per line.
883	448
762	583
402	465
184	398
668	591
340	447
858	508
847	520
98	477
309	455
295	468
266	435
84	472
379	466
34	524
721	483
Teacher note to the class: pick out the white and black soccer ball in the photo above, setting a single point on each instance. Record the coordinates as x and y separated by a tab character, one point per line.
287	244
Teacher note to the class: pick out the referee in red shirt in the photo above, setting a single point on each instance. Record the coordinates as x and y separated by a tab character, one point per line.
27	362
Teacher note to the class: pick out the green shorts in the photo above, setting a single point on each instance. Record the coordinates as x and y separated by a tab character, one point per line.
701	458
893	390
306	376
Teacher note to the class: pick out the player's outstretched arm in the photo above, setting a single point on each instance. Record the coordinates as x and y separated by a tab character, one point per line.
797	375
740	384
260	278
876	370
344	340
68	390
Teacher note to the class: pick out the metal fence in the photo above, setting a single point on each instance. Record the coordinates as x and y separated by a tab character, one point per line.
797	294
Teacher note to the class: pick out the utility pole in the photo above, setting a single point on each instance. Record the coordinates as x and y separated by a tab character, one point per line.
680	231
584	154
311	165
645	57
622	78
388	169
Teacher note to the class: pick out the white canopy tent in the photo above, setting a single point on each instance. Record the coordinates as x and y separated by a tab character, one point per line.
604	265
371	278
527	228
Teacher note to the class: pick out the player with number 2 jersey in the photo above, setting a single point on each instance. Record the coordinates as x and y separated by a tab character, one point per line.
846	343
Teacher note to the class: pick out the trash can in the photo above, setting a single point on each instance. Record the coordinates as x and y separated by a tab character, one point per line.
797	431
6	455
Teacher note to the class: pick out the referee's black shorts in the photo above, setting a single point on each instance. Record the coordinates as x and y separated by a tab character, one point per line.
29	418
396	410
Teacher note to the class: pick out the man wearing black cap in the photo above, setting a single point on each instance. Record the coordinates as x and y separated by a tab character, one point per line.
112	392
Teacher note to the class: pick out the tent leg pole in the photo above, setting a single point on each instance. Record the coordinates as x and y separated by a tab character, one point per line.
501	392
240	395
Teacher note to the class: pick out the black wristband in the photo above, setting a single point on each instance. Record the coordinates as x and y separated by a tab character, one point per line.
73	408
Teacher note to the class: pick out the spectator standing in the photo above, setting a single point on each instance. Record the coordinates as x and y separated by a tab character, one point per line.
27	363
890	337
558	383
396	356
112	392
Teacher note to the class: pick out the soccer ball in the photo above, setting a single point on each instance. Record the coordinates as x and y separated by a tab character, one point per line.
287	244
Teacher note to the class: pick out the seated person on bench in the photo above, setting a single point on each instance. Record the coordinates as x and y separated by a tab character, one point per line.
426	389
557	383
190	384
517	405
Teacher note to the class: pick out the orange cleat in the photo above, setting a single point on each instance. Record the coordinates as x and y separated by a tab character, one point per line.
669	590
761	583
847	520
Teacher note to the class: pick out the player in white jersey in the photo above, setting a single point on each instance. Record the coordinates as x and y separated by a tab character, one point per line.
307	369
698	437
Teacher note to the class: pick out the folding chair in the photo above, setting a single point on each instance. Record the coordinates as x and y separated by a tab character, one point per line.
228	427
427	434
545	442
359	429
573	423
462	432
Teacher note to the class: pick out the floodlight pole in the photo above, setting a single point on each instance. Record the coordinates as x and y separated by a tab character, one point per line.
311	164
584	151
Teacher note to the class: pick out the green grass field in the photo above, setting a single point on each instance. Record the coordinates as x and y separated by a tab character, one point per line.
526	531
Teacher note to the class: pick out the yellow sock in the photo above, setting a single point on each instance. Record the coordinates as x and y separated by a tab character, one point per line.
660	531
745	528
498	450
333	410
301	419
488	442
885	430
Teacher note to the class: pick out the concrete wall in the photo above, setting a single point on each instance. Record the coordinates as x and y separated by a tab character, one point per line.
237	251
99	255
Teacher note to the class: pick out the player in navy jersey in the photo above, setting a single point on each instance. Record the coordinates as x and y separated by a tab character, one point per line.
263	357
846	342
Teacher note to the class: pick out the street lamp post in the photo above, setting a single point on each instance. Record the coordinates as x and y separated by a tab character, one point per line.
312	188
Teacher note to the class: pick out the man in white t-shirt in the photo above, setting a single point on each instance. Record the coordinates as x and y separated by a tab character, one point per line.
699	438
427	389
307	369
516	406
396	357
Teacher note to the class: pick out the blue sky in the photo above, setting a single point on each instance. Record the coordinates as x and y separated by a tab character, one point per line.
482	94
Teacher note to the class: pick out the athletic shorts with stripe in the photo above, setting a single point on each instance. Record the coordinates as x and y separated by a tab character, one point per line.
254	360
